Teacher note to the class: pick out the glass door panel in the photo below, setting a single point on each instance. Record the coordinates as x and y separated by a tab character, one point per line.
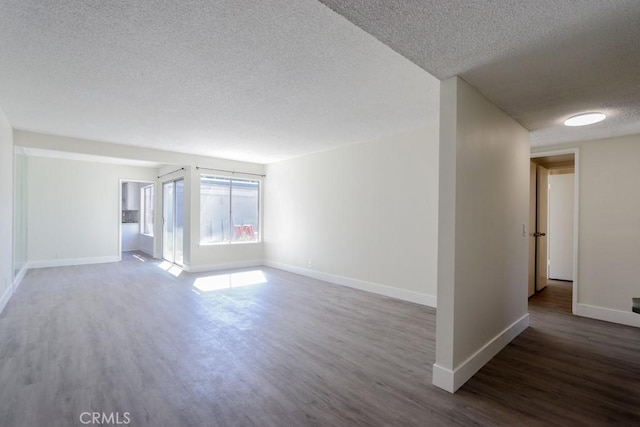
168	203
179	222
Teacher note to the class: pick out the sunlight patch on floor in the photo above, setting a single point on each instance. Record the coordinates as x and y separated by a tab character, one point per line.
170	268
230	280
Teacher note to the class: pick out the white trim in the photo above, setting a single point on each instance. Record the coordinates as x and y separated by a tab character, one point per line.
221	266
576	228
452	380
443	378
376	288
5	298
119	216
18	279
576	214
72	261
628	318
13	288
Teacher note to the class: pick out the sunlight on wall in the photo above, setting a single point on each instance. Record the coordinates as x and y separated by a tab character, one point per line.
232	280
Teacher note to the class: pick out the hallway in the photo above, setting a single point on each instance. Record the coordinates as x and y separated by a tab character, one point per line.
556	296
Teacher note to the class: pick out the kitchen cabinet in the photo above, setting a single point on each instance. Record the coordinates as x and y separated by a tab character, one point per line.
130	237
130	196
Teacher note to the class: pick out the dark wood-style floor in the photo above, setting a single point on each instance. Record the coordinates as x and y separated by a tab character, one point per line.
286	350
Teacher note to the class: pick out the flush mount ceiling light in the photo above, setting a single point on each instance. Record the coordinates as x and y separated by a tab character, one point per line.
584	119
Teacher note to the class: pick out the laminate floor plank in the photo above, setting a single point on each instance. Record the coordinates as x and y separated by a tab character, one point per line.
280	349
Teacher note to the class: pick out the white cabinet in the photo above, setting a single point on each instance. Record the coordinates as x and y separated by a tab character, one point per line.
131	196
130	237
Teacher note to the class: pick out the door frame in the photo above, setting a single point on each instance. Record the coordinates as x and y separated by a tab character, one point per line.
122	181
576	214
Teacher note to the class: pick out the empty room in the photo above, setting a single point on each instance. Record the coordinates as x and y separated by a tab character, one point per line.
323	213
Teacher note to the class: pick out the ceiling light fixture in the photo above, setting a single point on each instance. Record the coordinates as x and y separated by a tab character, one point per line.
584	119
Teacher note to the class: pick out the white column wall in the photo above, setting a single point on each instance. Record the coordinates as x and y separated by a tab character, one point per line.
482	240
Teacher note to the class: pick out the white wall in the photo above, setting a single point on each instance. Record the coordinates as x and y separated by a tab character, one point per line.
483	249
6	210
560	234
363	215
609	227
73	210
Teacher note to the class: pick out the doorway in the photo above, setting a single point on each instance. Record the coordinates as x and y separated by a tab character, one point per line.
553	222
538	224
173	221
135	221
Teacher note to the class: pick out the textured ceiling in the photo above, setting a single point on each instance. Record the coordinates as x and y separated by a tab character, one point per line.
268	80
539	60
256	81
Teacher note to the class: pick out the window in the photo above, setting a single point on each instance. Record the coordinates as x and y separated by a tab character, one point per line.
146	223
228	210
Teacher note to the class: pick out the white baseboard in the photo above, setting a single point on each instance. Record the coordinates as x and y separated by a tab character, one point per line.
443	378
200	268
452	380
18	279
8	293
376	288
6	296
72	261
628	318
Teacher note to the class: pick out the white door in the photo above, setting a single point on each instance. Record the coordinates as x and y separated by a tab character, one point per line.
561	226
533	185
542	213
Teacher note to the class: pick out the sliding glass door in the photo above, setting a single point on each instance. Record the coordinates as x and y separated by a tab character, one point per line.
173	221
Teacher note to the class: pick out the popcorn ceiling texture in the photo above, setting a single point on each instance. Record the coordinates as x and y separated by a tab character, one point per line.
256	81
541	61
269	80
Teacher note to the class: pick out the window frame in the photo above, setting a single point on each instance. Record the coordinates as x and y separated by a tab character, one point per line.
231	179
143	210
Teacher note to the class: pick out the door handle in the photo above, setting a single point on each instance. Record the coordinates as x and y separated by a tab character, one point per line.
538	234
